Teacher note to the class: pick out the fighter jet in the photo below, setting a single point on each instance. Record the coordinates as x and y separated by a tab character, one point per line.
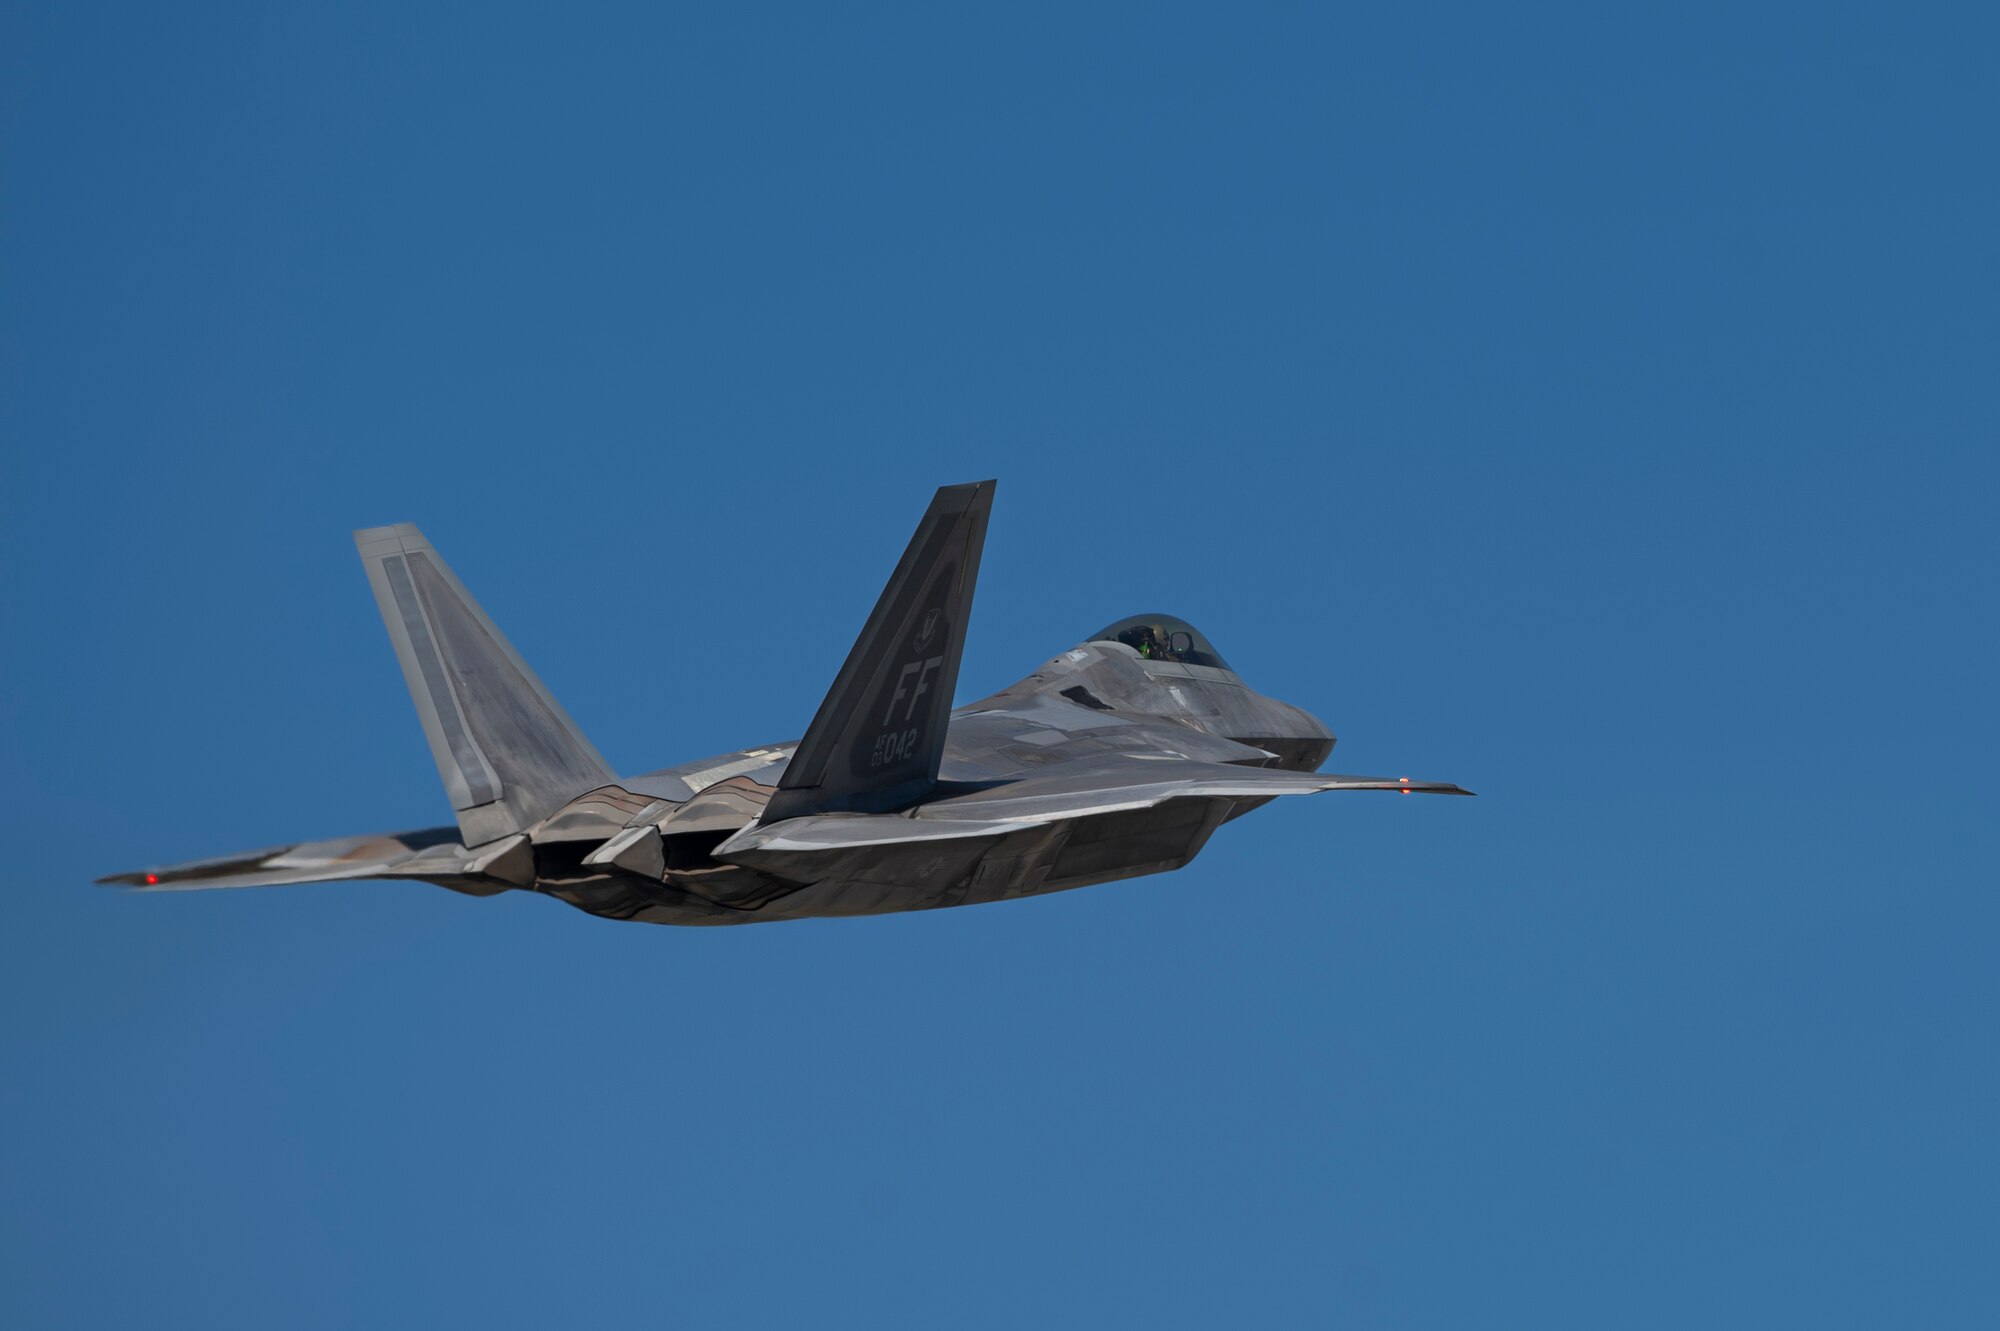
1116	758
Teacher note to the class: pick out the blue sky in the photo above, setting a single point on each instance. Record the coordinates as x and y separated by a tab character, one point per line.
1592	406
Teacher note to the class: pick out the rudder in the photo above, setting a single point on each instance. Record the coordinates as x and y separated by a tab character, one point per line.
877	740
508	753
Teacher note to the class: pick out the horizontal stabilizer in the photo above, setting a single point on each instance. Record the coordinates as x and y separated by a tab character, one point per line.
433	854
508	753
878	738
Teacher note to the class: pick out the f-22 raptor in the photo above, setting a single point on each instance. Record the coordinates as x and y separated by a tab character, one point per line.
1115	758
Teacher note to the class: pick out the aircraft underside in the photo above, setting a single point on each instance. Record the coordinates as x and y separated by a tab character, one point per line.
1038	858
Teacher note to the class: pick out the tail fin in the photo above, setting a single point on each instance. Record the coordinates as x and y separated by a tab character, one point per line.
877	740
508	753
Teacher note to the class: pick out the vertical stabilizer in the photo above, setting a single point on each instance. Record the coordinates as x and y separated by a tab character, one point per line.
877	740
508	753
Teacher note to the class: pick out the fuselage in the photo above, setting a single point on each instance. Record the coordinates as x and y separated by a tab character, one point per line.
1101	699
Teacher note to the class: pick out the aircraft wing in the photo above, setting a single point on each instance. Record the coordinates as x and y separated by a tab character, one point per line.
1076	791
1082	789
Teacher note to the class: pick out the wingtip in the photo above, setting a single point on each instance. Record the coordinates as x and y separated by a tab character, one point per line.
1409	787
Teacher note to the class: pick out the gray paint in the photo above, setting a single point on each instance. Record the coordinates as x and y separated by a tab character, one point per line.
507	752
1106	762
879	737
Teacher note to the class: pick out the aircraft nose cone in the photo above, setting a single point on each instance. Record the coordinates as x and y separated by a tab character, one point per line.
1309	726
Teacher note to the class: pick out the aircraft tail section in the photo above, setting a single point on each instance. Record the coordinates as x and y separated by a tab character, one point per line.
507	751
878	738
432	854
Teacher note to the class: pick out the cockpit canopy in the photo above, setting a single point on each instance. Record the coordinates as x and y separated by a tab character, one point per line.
1163	638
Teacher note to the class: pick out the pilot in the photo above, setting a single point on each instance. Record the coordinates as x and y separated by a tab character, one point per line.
1147	641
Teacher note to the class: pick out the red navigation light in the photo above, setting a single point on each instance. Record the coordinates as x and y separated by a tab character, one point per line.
151	879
